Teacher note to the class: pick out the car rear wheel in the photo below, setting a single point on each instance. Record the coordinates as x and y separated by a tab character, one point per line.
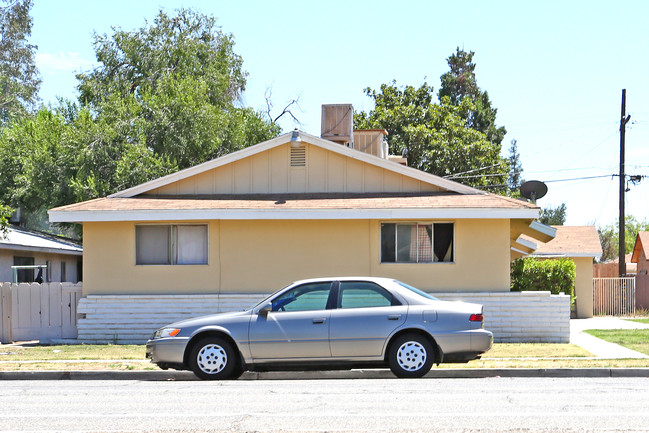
411	355
214	358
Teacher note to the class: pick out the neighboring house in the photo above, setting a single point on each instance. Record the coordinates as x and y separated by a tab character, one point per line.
37	254
580	244
640	254
293	207
640	258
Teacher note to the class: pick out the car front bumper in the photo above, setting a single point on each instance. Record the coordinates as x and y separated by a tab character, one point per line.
167	350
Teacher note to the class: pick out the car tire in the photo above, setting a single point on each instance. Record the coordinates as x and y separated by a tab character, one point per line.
411	356
214	358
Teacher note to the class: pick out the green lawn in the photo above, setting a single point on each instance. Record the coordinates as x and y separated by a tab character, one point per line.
639	320
71	352
634	339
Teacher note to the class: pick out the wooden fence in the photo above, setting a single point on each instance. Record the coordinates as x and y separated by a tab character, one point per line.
32	311
614	296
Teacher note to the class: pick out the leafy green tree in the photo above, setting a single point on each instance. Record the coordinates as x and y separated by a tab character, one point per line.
163	98
434	135
174	87
19	80
5	213
609	236
460	83
553	216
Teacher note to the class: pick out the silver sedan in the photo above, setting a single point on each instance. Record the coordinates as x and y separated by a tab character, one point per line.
327	323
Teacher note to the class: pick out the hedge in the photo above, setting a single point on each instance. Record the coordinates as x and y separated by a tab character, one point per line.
556	276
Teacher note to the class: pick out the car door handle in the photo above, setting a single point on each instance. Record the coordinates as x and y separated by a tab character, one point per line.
394	317
319	321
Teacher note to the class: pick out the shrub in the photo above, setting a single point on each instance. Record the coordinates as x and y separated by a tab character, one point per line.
555	276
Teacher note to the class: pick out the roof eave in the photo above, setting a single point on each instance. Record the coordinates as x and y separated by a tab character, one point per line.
288	214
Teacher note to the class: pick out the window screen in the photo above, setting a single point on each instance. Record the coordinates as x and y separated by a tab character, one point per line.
152	244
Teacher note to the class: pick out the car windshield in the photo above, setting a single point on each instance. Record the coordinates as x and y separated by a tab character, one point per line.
416	290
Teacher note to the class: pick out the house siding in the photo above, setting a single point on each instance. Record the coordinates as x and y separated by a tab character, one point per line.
270	172
584	286
246	256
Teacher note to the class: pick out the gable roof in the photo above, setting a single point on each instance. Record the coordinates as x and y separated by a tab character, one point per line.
641	246
22	239
283	139
571	241
145	202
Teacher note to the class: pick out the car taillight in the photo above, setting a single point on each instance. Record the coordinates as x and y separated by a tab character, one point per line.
476	318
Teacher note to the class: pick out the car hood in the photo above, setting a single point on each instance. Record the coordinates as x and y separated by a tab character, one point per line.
212	319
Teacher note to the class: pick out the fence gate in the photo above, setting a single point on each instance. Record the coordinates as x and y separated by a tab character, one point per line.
38	311
614	296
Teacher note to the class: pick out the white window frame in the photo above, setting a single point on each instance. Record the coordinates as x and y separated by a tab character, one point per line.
173	244
417	223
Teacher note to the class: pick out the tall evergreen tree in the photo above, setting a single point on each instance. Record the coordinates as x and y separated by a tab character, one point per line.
515	178
460	83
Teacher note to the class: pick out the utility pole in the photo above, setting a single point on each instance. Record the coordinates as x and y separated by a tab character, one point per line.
621	224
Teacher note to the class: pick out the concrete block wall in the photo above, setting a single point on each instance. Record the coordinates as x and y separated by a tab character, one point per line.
521	317
131	319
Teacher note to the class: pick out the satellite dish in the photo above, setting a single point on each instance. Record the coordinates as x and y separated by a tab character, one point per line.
533	190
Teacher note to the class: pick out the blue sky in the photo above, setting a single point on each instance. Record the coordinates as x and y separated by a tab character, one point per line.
553	69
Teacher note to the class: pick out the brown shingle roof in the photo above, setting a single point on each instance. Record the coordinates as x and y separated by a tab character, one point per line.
302	201
572	241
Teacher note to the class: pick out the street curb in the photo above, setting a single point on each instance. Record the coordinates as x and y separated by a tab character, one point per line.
473	373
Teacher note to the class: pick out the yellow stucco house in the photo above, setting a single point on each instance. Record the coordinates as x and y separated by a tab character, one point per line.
222	234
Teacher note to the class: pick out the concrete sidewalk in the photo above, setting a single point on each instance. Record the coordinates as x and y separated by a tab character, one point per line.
598	347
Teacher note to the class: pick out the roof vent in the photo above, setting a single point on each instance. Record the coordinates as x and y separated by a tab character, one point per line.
298	156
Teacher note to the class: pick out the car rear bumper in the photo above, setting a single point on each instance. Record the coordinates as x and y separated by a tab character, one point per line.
166	350
463	346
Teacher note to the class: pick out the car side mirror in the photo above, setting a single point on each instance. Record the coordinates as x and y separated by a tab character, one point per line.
264	310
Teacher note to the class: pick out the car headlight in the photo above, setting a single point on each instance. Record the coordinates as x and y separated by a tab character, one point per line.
166	332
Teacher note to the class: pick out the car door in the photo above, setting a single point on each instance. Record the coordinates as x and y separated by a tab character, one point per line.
296	327
365	316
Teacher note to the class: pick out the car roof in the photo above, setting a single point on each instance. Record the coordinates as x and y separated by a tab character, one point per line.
357	278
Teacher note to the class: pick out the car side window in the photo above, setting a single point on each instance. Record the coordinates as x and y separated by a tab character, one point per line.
306	297
361	294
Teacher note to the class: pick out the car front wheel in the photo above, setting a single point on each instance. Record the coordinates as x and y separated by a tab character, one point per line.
411	355
214	358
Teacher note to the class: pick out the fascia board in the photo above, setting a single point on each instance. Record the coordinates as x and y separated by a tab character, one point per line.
519	251
285	214
542	228
568	254
527	244
14	247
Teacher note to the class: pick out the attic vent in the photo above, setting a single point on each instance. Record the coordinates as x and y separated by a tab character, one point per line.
298	156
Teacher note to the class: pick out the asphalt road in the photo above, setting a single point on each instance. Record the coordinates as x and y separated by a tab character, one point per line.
376	405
